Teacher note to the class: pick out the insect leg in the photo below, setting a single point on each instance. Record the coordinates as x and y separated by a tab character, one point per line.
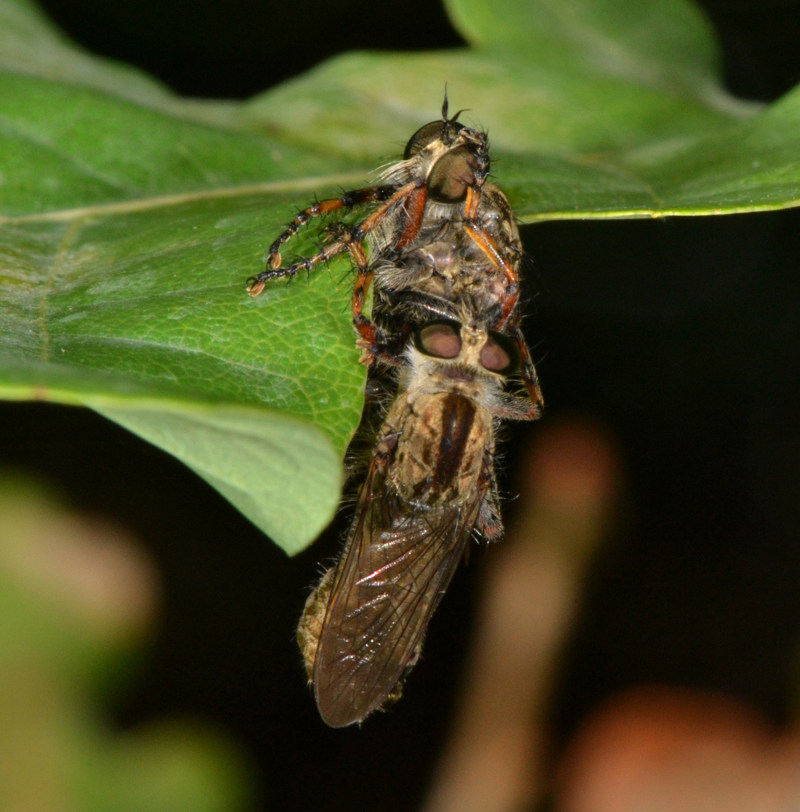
415	209
349	200
345	237
489	247
365	327
373	341
529	376
409	195
259	282
489	523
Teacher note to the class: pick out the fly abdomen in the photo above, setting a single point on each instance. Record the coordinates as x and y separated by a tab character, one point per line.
440	450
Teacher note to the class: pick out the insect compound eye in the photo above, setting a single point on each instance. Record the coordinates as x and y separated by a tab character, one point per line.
439	339
425	135
499	354
451	176
435	131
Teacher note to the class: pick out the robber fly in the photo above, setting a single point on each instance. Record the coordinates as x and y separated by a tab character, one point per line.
430	487
442	251
439	184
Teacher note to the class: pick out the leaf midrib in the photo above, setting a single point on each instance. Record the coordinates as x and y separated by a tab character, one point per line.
100	210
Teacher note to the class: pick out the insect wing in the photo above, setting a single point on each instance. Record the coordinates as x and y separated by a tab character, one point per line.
397	566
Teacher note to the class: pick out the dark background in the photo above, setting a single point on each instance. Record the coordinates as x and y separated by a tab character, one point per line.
681	336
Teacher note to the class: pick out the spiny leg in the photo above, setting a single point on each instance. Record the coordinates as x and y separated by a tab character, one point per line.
259	282
415	209
401	196
366	328
528	371
372	341
347	237
348	200
511	300
489	247
489	523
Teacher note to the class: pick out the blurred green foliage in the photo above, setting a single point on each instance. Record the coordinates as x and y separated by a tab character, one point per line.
77	601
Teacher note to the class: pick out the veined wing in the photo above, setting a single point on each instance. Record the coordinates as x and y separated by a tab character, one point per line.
398	563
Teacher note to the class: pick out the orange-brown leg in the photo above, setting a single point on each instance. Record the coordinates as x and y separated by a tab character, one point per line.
259	282
365	327
529	376
346	238
489	247
372	341
348	200
415	209
374	219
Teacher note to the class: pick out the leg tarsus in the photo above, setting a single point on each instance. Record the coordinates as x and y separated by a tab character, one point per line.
348	200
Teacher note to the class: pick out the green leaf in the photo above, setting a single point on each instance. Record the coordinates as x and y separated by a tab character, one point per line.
130	219
122	309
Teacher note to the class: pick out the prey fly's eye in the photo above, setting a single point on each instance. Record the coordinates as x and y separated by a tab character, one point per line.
451	176
499	354
439	339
